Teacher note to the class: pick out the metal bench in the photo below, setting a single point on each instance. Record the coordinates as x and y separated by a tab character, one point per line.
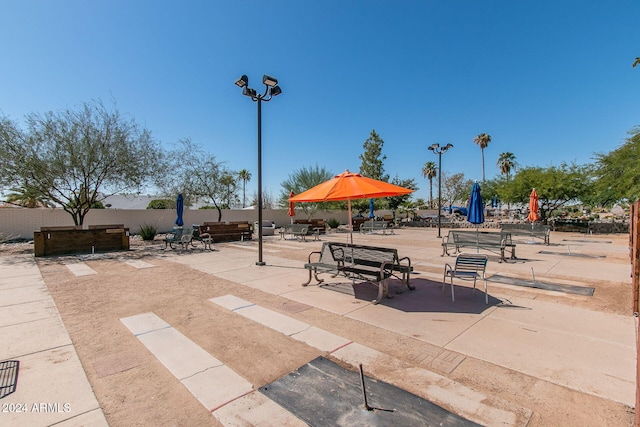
467	267
360	262
534	230
298	231
372	226
179	236
493	242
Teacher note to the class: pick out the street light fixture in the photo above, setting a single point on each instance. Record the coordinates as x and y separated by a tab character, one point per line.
439	151
271	89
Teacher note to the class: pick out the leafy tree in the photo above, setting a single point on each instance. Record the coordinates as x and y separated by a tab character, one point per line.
302	180
556	186
618	172
455	189
372	165
245	176
483	141
396	201
75	159
430	171
162	204
195	174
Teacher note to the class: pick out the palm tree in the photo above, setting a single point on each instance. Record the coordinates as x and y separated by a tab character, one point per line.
429	171
636	62
28	198
506	162
483	141
245	176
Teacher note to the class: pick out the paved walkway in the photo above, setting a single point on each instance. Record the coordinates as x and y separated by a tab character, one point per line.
581	349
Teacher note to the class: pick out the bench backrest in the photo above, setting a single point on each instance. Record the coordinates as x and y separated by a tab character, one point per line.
297	228
480	237
471	262
362	255
526	227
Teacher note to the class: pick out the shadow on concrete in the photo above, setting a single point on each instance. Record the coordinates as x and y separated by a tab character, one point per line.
427	296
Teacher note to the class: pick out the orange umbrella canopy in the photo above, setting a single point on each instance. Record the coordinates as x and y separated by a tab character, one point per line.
533	206
347	186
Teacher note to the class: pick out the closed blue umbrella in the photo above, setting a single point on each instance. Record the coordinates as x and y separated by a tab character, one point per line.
475	214
371	214
179	210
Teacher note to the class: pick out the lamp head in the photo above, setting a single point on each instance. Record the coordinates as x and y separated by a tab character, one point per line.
247	91
275	91
433	146
269	81
242	81
448	146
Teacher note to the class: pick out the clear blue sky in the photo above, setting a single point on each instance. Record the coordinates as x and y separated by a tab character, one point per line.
550	80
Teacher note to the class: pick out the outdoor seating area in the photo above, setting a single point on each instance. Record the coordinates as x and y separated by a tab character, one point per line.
351	302
494	242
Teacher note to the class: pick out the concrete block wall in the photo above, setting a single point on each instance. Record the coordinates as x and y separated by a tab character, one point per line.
19	223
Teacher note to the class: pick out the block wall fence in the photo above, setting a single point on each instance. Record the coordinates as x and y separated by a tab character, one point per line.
17	223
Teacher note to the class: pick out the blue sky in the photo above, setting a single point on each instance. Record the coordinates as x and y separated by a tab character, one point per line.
550	80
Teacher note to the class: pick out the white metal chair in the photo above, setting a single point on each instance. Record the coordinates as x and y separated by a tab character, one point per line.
467	267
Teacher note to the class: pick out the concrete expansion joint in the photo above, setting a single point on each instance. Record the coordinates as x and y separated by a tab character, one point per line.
244	306
153	330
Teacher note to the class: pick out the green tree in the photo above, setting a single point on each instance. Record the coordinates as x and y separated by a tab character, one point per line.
617	173
245	176
455	189
196	174
430	171
76	158
396	201
556	186
483	141
27	199
229	182
372	159
301	180
506	162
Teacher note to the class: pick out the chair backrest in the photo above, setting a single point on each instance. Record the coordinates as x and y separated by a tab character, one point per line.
471	262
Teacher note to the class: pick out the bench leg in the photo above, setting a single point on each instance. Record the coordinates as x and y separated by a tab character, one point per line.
383	291
315	275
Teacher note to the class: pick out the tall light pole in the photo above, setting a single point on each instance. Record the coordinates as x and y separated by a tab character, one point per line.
439	151
271	89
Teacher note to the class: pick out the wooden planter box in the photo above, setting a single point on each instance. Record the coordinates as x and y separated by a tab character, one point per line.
73	240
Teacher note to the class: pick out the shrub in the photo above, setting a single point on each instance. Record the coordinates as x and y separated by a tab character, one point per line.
333	223
148	232
162	204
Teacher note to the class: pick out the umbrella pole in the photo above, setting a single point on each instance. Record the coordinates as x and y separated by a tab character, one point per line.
350	221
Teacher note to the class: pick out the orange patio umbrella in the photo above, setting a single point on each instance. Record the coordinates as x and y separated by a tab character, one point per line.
348	186
291	212
533	206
